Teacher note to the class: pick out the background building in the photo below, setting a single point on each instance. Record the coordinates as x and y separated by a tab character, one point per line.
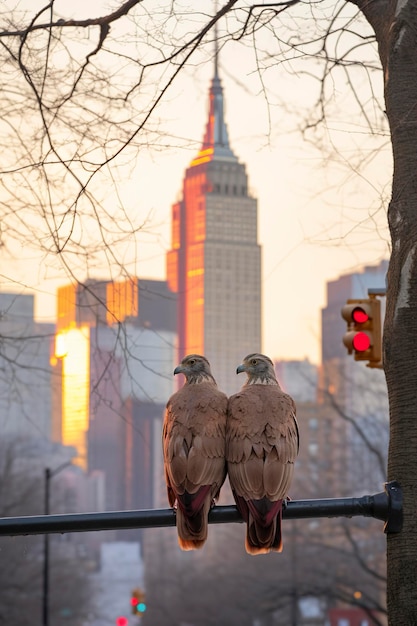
115	350
298	378
354	397
351	617
25	371
214	264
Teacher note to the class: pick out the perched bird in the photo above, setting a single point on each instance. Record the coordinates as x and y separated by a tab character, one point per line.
262	442
193	442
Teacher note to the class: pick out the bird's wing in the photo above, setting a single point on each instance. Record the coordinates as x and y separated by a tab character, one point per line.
194	439
166	436
262	442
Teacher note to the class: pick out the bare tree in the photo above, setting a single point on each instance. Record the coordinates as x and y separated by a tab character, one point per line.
84	112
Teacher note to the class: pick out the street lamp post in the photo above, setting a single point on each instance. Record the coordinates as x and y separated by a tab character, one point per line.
45	594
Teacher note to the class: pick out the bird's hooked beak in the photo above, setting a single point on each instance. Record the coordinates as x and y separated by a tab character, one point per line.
241	368
179	369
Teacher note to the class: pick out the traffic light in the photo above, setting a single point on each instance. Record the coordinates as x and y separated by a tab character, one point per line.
137	602
363	337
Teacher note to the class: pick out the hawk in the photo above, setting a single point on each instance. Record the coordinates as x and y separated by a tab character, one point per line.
262	443
193	442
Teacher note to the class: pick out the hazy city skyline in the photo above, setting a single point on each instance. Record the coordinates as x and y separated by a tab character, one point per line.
101	123
321	214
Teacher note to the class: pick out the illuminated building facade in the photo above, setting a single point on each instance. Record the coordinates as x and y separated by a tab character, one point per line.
214	264
114	349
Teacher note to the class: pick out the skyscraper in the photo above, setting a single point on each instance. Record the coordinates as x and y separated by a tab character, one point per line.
114	351
214	263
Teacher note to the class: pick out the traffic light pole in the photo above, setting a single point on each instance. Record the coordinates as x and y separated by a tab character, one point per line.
385	506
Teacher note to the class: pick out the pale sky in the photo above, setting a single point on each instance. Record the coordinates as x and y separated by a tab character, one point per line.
322	211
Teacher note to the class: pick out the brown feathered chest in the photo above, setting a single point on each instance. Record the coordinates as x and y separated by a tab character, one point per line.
264	416
197	409
261	442
194	439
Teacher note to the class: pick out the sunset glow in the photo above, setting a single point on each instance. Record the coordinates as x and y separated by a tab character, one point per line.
73	347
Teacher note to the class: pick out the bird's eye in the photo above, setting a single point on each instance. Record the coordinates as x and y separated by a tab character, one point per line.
254	362
192	361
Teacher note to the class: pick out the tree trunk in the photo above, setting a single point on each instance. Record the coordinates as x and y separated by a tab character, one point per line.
395	25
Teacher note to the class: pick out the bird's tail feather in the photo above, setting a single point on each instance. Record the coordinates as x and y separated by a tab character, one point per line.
261	539
263	524
192	518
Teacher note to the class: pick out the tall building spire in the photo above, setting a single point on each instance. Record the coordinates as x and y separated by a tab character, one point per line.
214	233
216	140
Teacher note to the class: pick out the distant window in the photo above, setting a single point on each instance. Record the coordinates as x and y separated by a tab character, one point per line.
364	622
226	188
342	621
313	423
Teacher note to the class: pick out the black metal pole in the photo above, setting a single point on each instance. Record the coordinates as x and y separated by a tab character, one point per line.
385	506
45	593
45	588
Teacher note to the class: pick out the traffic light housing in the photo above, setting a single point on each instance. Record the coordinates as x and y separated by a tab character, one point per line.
363	337
137	601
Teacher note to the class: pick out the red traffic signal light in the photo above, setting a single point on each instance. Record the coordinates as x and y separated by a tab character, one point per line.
363	336
359	315
122	621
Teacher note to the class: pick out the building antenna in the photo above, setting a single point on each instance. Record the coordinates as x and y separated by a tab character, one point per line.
216	44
